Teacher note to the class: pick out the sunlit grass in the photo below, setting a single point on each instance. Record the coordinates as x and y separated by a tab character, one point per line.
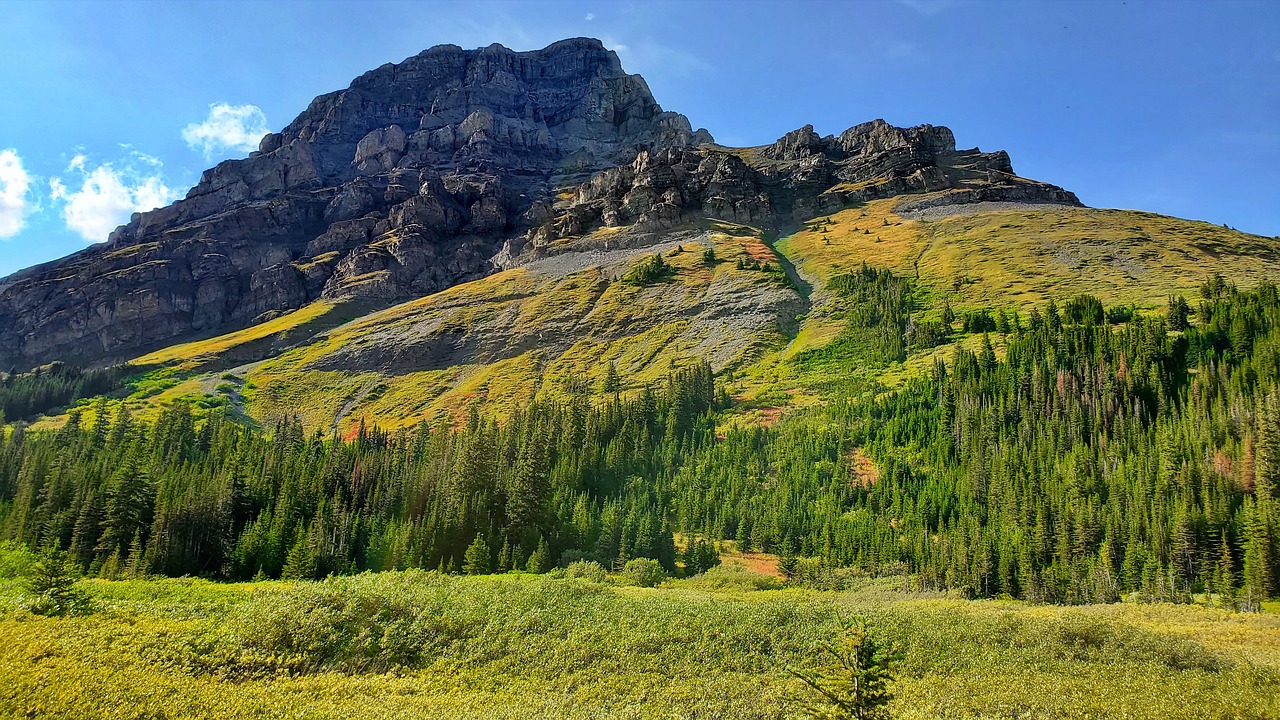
534	646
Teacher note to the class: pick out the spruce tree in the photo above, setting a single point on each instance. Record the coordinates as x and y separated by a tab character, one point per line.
476	561
540	560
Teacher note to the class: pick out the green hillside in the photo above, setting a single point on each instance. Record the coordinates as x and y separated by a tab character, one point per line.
527	331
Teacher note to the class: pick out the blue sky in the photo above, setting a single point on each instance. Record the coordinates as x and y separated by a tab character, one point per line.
1172	107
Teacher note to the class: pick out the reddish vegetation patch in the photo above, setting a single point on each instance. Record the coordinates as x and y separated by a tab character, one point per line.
759	251
863	469
762	563
353	429
769	416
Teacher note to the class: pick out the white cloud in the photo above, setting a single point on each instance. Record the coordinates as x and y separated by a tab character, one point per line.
228	127
15	203
108	196
590	17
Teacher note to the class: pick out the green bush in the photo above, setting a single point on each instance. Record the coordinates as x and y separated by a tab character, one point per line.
644	572
649	270
732	577
586	569
16	560
371	622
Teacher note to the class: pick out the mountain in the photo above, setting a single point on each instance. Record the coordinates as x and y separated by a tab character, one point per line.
435	171
471	225
401	185
487	311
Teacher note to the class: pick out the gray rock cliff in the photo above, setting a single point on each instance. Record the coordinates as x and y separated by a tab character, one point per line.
403	184
438	169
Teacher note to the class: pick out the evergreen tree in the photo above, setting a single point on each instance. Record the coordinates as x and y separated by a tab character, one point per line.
52	586
540	561
477	558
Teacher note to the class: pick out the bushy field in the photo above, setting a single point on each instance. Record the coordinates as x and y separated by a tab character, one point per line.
420	644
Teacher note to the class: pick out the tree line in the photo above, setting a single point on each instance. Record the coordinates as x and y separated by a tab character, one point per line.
1072	454
556	482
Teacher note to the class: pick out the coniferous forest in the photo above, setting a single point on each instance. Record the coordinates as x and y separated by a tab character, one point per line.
1071	454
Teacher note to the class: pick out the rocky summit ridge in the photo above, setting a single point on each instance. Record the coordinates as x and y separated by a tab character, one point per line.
439	169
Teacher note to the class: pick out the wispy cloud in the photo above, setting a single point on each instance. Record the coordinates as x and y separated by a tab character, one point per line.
107	195
236	128
928	8
590	17
890	48
16	202
651	59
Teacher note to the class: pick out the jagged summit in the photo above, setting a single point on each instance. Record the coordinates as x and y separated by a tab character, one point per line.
428	173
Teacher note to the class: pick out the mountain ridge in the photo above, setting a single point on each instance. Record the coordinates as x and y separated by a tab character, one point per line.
445	168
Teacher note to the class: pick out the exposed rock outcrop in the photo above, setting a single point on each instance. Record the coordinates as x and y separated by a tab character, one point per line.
800	176
429	173
403	184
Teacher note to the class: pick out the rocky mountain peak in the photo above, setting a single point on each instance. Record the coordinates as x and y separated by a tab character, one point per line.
429	172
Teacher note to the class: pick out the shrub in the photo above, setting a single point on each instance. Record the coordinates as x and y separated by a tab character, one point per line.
644	572
367	623
586	569
16	560
734	577
813	573
649	270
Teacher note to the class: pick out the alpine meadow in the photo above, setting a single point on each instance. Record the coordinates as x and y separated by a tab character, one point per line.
488	388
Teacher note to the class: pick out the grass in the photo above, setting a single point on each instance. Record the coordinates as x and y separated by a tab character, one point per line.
1020	258
191	355
424	645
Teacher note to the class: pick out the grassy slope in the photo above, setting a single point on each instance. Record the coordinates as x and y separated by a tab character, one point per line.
530	646
1007	258
560	328
1020	258
1011	259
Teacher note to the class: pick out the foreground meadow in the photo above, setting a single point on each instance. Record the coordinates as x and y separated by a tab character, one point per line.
419	644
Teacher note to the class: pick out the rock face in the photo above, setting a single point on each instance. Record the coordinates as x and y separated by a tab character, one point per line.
798	177
429	173
403	184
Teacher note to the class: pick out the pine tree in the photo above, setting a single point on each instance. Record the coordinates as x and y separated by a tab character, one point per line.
540	560
52	585
504	557
476	561
612	383
1225	577
1257	557
301	562
855	681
